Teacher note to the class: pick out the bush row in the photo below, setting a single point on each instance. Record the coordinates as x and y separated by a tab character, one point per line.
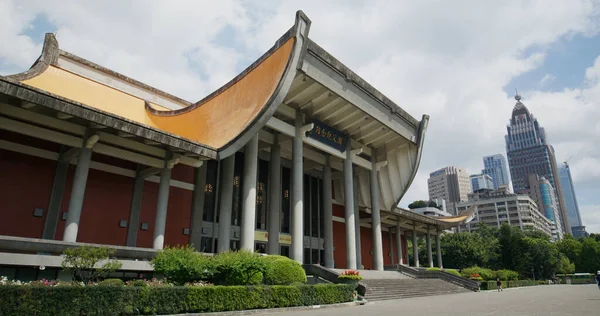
183	264
491	285
120	300
451	271
488	274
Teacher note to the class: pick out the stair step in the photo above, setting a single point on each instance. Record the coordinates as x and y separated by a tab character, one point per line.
379	290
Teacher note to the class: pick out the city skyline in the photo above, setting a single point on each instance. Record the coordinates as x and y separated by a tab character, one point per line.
427	62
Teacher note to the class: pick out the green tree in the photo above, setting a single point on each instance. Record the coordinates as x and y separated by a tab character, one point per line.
85	261
589	258
417	204
571	248
462	250
565	266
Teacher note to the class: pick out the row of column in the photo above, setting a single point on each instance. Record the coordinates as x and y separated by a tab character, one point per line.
297	207
83	155
428	246
352	220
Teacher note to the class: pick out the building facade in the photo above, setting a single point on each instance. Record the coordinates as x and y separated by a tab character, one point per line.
495	208
296	156
481	181
529	152
450	184
568	189
495	167
541	191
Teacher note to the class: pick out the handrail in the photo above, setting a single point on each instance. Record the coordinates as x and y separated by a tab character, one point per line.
443	275
329	275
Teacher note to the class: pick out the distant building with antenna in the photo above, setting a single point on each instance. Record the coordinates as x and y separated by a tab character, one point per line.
529	153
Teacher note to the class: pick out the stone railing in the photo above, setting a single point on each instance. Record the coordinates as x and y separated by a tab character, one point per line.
329	275
421	273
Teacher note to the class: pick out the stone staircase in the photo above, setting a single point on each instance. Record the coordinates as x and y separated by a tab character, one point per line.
397	288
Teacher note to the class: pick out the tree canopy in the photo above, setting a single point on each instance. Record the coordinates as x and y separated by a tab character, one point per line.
528	251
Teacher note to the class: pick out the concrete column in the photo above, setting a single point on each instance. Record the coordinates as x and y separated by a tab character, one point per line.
438	246
415	247
56	196
328	214
274	222
349	210
135	209
249	206
391	245
162	205
226	202
399	249
78	190
297	249
359	264
198	207
429	252
376	216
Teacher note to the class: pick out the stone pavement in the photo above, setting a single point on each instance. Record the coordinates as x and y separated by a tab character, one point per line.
560	300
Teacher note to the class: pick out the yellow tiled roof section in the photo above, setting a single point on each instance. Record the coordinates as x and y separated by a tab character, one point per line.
91	93
220	119
214	122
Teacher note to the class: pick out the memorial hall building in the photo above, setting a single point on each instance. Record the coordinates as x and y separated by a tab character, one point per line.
297	156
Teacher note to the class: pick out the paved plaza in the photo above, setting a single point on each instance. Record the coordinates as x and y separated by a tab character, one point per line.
563	300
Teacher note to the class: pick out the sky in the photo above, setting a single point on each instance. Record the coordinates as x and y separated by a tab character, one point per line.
457	61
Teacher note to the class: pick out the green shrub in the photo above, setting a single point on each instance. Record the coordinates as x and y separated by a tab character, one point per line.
137	283
452	271
282	270
182	264
111	282
83	262
434	269
111	300
507	275
238	268
485	274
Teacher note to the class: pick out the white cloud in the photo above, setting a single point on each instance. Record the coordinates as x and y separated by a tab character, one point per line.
546	79
449	59
590	215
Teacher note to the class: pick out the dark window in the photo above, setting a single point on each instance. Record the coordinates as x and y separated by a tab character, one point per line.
262	195
285	200
210	192
236	212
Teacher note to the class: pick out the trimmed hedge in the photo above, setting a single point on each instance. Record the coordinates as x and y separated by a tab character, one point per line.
114	300
283	271
491	285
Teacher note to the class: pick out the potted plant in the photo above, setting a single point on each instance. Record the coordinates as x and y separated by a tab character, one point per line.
350	277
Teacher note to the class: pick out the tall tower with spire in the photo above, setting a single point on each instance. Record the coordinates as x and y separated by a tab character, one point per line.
529	153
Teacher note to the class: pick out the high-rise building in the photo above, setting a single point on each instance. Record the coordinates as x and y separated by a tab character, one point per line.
482	181
495	167
450	184
568	189
496	207
529	152
541	191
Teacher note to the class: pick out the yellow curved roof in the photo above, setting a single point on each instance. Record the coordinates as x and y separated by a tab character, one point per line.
213	122
218	120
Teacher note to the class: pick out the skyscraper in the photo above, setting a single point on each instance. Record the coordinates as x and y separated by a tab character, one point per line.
529	152
495	167
450	184
566	182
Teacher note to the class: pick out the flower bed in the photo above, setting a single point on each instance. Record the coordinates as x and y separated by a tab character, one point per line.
151	300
